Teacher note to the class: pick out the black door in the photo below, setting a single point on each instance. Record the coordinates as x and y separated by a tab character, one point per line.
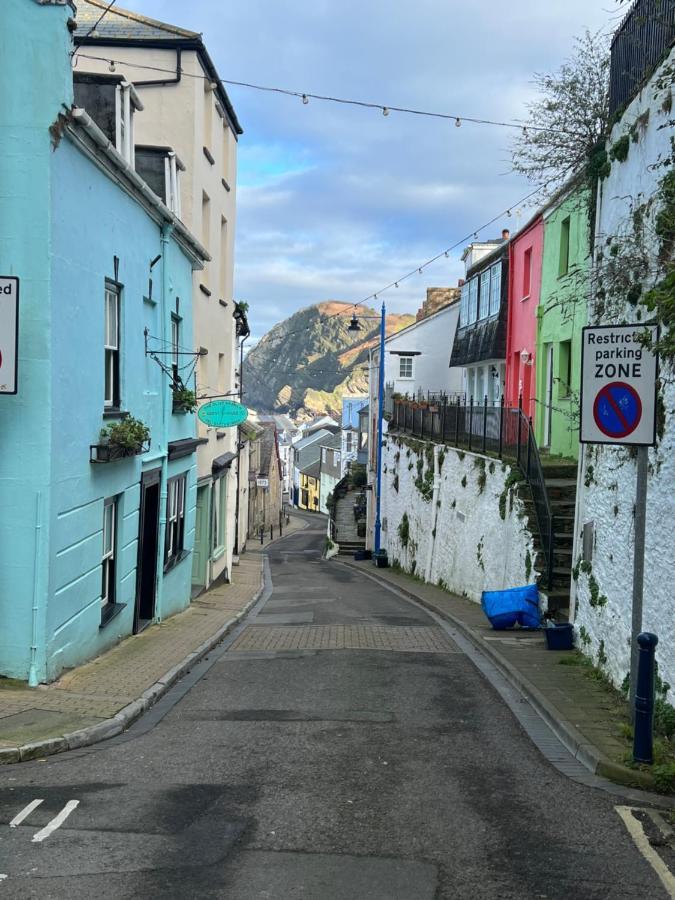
148	538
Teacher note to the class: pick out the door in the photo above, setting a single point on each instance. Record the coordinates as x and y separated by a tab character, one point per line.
548	403
148	547
200	557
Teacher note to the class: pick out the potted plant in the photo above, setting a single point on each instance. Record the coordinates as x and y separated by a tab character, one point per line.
128	437
184	400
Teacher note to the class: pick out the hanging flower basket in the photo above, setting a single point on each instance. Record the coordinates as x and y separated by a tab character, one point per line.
184	400
129	437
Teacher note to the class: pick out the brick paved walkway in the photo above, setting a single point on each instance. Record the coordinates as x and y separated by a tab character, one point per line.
406	639
97	690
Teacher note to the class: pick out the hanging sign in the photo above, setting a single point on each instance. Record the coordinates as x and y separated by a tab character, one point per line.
9	333
223	413
618	385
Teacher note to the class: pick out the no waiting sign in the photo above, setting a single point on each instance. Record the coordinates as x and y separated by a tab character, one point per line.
618	385
9	333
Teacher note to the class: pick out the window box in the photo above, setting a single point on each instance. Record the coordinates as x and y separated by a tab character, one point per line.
107	452
184	400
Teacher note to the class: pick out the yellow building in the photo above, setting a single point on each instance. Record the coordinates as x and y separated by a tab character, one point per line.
310	487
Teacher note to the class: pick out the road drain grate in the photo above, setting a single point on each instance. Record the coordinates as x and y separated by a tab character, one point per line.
408	639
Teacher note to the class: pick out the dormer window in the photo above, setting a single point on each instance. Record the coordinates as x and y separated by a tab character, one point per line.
161	168
111	102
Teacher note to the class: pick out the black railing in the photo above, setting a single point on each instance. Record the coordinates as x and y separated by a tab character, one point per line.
490	428
639	44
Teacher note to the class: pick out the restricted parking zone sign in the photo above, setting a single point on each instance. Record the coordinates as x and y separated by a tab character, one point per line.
618	385
9	333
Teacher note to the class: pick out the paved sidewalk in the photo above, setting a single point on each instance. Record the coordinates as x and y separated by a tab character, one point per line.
581	711
253	544
103	697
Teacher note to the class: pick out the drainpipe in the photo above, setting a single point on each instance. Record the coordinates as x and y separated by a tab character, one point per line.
33	680
166	233
434	512
236	499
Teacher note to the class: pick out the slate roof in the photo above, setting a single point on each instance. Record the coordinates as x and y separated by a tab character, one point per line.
268	443
123	24
312	438
334	442
313	470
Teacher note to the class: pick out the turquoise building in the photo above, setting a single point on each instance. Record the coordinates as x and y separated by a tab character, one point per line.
95	541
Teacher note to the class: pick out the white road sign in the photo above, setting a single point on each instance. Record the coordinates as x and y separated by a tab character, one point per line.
9	333
618	385
262	482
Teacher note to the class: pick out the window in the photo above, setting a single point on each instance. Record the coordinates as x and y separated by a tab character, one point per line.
484	308
405	365
223	257
527	272
175	344
495	288
464	305
338	457
208	113
112	346
206	219
124	121
324	454
175	520
172	169
564	263
349	439
108	557
564	368
473	300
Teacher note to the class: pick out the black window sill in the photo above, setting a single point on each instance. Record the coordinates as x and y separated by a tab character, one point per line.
175	560
114	412
204	290
225	185
111	611
209	155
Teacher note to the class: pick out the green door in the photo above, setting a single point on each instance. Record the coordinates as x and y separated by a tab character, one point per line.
200	555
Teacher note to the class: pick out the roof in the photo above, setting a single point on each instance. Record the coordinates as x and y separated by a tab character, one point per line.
444	309
313	470
312	438
268	447
334	442
123	26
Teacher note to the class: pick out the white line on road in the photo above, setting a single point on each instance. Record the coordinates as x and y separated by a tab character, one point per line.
636	831
25	812
56	822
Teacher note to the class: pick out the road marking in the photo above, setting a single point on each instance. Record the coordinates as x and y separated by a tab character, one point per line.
25	812
636	831
56	822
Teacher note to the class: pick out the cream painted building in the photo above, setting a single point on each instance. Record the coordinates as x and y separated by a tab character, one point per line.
186	142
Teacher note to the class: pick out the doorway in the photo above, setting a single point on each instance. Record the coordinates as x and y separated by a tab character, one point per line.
548	405
200	554
148	546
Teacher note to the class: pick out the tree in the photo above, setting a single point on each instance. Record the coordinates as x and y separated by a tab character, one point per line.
573	109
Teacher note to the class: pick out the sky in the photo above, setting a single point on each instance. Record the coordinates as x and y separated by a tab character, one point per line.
334	202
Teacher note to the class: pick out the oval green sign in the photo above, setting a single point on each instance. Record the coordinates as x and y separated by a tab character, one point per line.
223	413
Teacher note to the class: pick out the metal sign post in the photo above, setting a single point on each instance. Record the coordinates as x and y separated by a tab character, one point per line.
9	333
618	406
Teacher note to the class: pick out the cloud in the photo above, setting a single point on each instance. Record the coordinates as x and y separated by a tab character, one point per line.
335	202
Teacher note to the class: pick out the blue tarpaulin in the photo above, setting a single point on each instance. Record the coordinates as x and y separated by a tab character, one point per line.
514	606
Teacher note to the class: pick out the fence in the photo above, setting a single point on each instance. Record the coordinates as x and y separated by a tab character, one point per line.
638	46
486	428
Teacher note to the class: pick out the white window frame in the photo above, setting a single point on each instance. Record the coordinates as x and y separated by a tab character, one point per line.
172	170
407	363
124	122
349	440
495	288
108	554
484	301
464	305
175	518
473	300
111	345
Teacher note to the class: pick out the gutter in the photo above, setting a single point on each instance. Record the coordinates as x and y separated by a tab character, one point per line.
80	119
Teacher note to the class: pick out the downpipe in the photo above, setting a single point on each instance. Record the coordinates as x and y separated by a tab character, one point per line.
33	680
434	513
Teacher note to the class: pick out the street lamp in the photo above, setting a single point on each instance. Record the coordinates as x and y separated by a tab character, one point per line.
355	326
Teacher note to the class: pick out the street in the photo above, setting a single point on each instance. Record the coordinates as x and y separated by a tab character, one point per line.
338	746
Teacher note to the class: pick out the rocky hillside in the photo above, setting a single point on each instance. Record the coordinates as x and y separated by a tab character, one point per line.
306	363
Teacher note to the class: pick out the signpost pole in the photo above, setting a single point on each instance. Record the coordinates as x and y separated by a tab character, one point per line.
638	568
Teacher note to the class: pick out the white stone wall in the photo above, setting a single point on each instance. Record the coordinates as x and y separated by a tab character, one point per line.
458	538
608	475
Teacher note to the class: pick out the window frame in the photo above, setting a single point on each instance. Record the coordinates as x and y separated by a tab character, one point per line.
527	274
495	288
407	360
174	539
484	302
464	305
176	322
111	347
473	300
564	248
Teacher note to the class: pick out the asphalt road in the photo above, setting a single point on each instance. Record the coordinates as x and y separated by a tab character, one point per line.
296	769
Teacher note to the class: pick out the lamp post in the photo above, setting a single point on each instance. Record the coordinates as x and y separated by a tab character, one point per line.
354	326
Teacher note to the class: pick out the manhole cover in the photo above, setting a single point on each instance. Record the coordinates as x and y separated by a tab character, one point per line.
418	639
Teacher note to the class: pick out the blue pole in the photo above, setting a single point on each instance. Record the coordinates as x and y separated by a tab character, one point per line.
643	750
380	417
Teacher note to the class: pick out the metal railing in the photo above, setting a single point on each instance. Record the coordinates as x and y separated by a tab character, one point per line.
639	44
490	428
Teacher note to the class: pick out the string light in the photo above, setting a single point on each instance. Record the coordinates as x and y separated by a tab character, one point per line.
306	96
385	111
112	66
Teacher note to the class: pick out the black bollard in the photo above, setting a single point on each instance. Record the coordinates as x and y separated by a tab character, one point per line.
271	532
262	535
643	751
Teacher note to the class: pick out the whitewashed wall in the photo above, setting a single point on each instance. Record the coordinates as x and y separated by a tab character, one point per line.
432	338
607	476
457	538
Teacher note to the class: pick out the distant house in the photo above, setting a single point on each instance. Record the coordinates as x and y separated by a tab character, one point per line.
303	452
286	433
351	405
331	470
310	486
265	491
479	347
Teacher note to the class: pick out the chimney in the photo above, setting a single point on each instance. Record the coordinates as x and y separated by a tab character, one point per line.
506	234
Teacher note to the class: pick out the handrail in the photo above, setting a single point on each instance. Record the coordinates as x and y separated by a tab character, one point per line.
487	427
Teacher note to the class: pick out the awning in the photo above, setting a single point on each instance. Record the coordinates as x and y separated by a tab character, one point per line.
220	463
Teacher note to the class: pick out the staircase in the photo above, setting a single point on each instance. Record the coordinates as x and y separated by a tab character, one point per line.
561	486
346	529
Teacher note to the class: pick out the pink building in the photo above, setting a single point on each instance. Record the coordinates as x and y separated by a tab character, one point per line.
525	259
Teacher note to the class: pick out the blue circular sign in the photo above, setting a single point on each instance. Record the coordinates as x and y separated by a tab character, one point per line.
617	410
223	413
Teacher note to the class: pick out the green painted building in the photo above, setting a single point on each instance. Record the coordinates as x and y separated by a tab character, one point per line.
561	314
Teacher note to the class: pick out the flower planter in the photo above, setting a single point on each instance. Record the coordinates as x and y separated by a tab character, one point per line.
560	636
106	453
